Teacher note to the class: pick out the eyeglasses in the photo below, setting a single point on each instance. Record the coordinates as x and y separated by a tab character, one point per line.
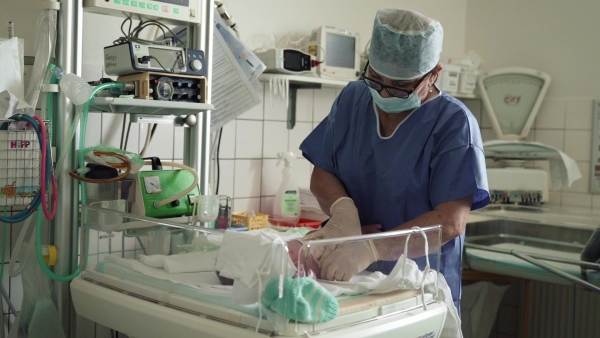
394	91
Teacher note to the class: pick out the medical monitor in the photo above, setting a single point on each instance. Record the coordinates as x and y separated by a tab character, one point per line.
338	49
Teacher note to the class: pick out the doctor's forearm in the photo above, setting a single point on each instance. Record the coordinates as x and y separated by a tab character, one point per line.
452	216
326	188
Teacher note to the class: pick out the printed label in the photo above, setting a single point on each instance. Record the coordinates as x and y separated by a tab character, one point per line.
290	204
19	144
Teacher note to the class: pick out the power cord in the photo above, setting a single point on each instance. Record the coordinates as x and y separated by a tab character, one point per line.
133	35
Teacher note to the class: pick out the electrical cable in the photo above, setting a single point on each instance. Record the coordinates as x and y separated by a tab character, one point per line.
127	135
149	134
3	253
218	171
132	35
43	178
123	131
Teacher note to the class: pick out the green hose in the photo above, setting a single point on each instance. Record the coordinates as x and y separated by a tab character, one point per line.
38	237
40	255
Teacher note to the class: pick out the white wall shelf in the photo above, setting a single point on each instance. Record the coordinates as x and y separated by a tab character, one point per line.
314	82
305	80
300	82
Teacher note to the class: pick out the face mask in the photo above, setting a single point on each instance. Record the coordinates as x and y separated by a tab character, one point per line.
396	105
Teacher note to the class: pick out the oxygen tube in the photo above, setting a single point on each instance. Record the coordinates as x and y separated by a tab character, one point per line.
78	91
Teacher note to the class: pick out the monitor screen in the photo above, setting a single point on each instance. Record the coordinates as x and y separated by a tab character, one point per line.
339	50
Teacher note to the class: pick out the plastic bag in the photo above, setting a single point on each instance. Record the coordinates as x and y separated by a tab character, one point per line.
38	316
137	162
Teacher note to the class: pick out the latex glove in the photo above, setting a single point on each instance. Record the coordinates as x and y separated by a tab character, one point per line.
344	222
348	260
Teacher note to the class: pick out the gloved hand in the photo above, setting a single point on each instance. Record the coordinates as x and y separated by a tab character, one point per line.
344	222
348	260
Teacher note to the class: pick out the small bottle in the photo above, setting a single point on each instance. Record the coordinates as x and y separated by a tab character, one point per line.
76	89
286	207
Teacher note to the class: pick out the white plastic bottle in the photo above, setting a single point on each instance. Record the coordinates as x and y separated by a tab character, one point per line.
286	207
76	89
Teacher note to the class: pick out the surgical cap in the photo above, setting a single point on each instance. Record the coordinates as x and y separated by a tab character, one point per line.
405	44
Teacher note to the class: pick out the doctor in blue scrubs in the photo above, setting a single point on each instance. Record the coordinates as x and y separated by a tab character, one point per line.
397	152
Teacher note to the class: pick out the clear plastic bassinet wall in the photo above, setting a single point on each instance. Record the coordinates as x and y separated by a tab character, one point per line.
264	282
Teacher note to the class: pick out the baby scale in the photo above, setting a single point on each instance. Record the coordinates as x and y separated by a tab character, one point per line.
512	97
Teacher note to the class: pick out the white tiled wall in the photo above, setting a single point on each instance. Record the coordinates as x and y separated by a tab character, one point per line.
249	145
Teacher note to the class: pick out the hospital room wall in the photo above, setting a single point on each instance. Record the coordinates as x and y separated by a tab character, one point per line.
248	170
557	37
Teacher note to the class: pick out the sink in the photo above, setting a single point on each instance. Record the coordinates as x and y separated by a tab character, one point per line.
530	237
493	245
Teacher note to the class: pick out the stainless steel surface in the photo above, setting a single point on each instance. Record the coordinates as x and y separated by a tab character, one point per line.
69	59
556	271
525	239
197	137
528	234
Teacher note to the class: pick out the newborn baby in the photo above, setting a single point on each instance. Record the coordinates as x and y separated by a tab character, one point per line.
307	266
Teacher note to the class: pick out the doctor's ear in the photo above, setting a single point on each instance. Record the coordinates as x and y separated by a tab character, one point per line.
435	72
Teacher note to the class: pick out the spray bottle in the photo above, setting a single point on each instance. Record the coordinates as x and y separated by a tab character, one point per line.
286	207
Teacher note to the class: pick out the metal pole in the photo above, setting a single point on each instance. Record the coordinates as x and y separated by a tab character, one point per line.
197	152
69	59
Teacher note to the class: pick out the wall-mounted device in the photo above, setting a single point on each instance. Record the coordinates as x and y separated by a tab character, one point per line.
338	49
134	57
167	87
287	61
169	10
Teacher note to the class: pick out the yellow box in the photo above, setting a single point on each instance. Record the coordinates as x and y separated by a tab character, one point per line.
258	221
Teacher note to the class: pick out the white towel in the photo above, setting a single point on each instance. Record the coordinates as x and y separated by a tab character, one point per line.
197	278
189	262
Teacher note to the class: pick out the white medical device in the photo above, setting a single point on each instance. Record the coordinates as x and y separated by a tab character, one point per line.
135	57
338	50
121	292
169	10
512	98
286	61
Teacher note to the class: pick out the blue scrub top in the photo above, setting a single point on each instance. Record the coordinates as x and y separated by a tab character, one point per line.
434	156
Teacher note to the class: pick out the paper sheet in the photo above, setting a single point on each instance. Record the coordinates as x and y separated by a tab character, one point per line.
232	91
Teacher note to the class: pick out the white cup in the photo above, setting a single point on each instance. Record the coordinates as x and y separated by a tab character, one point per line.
208	208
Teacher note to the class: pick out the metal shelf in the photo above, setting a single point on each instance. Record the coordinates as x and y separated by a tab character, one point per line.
146	107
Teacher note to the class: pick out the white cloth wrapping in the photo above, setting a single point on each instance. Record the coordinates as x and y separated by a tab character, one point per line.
188	262
407	278
252	259
195	279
